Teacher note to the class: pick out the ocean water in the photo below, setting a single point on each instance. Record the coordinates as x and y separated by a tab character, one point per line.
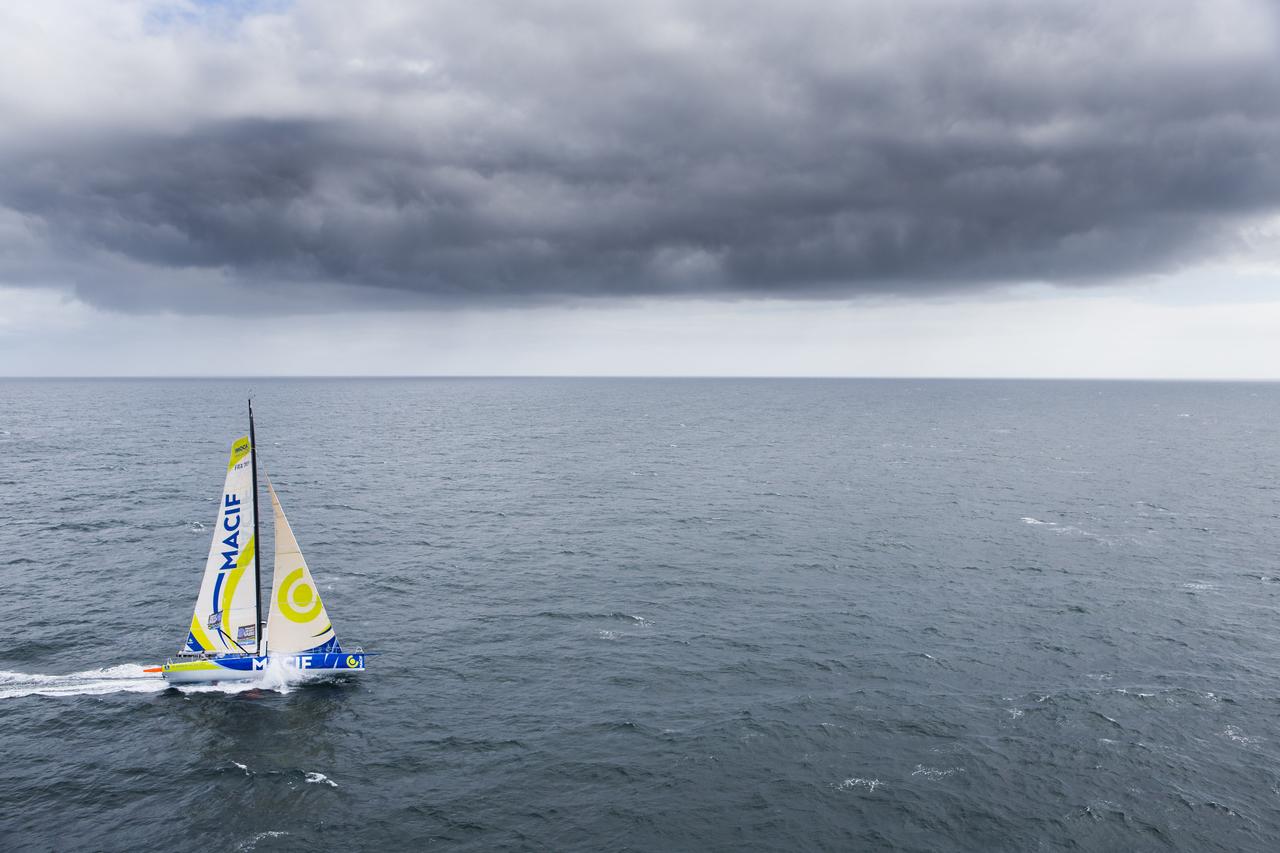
658	615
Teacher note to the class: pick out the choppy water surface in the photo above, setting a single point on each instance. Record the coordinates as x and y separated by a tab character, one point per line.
659	615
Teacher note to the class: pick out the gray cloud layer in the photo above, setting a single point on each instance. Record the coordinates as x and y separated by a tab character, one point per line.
496	153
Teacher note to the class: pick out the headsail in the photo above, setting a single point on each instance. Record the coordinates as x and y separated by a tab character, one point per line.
226	615
298	621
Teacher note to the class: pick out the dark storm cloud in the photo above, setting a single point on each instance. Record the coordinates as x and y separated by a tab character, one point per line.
513	153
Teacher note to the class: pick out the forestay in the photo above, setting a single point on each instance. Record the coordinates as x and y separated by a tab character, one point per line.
298	621
226	614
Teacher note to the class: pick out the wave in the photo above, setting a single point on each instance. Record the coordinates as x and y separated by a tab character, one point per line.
252	843
936	773
1067	529
614	615
1234	734
319	778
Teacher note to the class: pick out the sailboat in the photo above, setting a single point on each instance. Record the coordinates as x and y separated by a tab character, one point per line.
226	640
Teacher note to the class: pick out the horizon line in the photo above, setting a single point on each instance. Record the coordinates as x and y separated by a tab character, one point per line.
870	377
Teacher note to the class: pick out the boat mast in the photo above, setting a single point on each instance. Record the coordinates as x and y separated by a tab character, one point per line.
257	541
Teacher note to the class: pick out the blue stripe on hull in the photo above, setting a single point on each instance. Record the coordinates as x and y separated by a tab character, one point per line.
340	661
250	667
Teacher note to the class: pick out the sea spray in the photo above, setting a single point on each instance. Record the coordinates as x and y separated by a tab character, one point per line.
281	674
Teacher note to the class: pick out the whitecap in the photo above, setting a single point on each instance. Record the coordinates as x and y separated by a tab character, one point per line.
319	778
253	842
1234	734
849	784
935	772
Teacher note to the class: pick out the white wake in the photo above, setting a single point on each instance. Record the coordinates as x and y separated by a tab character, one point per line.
131	678
124	678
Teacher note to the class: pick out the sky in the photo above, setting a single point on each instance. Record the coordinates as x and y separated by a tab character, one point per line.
816	188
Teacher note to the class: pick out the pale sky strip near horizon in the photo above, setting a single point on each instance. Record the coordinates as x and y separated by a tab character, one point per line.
1143	332
662	187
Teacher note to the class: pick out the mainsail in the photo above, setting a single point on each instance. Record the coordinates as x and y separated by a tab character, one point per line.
226	615
298	621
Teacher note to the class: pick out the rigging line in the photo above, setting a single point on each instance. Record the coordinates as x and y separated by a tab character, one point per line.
257	535
242	649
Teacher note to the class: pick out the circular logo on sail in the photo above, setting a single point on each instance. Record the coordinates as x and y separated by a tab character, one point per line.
297	598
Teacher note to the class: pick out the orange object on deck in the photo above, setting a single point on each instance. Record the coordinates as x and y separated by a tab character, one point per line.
154	669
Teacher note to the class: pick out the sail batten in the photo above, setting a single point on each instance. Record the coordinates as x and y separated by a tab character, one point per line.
225	617
297	621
